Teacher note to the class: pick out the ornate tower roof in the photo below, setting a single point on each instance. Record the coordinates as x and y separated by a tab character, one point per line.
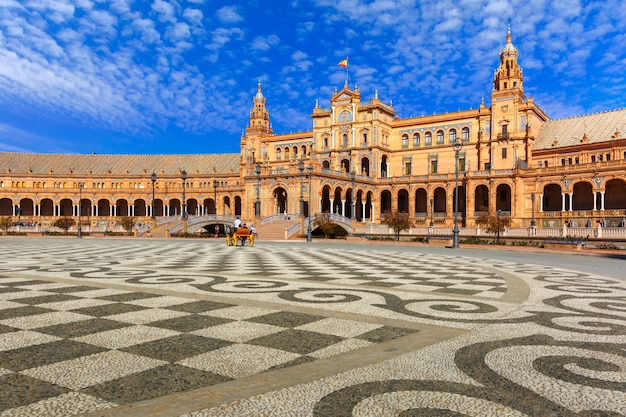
508	77
259	116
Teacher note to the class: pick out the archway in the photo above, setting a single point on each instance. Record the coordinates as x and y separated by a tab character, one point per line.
583	196
385	202
66	207
421	202
503	197
192	207
481	200
337	206
551	197
403	201
121	208
383	167
615	196
439	201
326	199
365	167
139	208
104	208
6	207
46	207
280	200
27	208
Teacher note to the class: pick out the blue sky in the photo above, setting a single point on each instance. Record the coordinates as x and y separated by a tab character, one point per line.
165	76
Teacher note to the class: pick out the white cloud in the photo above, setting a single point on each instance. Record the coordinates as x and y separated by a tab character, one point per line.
264	43
165	11
228	14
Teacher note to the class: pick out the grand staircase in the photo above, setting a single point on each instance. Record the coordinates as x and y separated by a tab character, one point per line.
275	230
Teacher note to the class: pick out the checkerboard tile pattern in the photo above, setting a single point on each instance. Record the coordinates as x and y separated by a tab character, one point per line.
339	267
79	345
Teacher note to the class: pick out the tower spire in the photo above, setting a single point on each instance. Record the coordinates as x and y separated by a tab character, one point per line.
508	77
259	116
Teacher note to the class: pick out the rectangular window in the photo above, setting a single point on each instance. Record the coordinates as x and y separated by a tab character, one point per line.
433	166
364	137
487	166
503	153
462	164
407	168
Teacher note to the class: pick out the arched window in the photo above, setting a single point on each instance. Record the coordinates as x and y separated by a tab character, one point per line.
416	140
428	138
440	137
345	139
405	141
465	134
452	135
278	154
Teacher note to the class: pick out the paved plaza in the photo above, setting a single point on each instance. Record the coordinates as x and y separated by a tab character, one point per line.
167	327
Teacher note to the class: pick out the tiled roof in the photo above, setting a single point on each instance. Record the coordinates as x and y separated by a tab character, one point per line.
118	164
597	127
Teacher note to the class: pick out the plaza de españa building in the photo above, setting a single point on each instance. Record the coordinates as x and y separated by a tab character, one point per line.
358	162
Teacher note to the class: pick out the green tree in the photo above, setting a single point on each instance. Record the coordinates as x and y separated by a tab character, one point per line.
5	223
128	223
64	223
397	221
494	224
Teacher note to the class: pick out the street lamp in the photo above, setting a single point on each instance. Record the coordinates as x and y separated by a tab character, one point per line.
308	228
153	178
80	206
301	169
455	229
352	200
533	224
498	213
432	222
183	176
215	184
257	204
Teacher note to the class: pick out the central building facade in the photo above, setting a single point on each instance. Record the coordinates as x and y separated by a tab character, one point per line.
359	161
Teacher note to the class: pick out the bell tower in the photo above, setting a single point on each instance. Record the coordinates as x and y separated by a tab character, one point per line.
508	78
258	127
259	116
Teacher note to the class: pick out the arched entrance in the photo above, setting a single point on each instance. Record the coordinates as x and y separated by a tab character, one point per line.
280	200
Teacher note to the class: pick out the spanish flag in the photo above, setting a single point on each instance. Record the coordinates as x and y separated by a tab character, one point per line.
343	63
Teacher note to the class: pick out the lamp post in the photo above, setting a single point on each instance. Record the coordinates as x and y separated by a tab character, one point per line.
308	228
301	169
257	204
533	224
498	213
431	225
455	229
183	176
80	206
352	199
215	184
153	178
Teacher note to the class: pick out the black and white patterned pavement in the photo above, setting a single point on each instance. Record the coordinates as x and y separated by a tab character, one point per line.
106	327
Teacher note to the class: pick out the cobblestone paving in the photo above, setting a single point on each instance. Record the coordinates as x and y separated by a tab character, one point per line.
107	327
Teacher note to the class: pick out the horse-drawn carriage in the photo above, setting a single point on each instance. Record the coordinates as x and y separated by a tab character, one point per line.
239	234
